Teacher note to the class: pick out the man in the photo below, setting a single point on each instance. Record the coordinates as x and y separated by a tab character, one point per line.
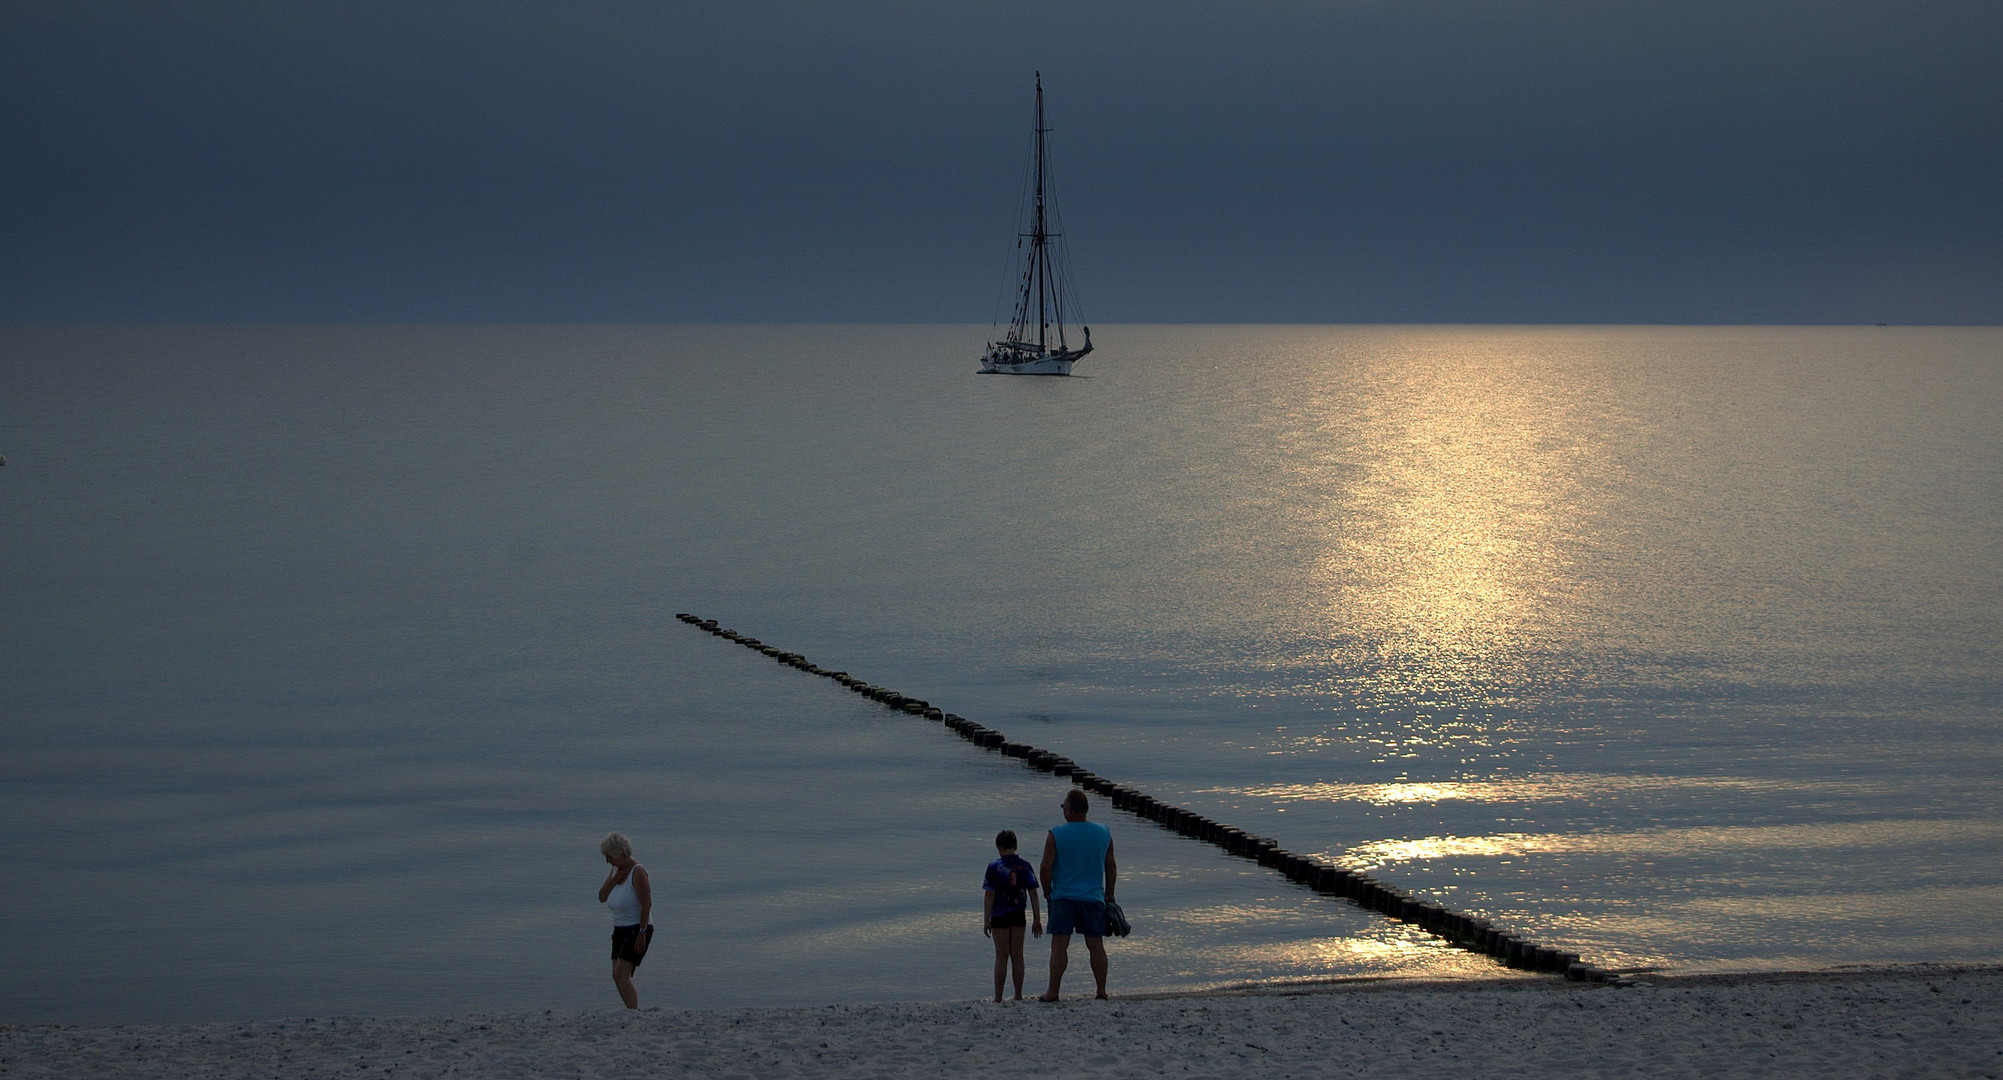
1078	873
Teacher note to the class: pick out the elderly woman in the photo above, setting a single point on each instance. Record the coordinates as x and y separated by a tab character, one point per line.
631	901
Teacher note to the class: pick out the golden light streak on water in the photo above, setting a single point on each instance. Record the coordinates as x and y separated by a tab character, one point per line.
1663	843
1382	947
1547	788
1454	539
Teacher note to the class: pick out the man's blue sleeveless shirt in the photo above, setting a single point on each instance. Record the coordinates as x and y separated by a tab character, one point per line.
1081	861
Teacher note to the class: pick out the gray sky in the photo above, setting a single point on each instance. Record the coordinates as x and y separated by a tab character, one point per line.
1303	161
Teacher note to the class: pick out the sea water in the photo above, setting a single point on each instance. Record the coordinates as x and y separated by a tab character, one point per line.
327	654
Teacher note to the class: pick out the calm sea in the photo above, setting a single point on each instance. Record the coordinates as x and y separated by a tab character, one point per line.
328	653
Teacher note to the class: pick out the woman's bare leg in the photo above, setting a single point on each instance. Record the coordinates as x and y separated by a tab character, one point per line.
622	977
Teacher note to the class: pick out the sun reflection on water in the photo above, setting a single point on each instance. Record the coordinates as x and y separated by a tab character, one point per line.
1446	559
1379	947
1547	788
1676	842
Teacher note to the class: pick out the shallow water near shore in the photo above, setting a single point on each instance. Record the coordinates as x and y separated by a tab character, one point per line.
329	652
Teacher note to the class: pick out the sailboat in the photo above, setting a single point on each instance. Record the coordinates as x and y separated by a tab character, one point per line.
1037	342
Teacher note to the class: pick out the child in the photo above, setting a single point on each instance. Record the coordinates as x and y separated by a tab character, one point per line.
1010	882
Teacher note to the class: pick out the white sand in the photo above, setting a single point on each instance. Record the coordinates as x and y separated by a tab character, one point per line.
1922	1022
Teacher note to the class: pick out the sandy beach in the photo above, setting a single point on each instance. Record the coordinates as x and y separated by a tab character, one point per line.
1919	1021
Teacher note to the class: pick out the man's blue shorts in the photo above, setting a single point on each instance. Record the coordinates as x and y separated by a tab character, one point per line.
1071	916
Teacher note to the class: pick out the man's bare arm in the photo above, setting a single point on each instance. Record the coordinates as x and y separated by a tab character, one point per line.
1049	860
1112	870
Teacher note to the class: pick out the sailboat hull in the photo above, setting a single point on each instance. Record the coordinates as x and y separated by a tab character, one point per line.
1052	364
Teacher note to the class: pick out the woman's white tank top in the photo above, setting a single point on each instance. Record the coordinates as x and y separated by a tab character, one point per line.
624	902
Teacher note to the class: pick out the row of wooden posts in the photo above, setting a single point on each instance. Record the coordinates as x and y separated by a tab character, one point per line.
1464	931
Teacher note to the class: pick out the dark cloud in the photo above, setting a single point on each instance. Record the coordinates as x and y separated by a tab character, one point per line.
1462	161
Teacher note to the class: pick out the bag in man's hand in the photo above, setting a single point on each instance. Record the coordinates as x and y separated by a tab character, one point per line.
1116	921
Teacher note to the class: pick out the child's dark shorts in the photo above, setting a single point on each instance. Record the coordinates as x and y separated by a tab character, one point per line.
629	944
1013	918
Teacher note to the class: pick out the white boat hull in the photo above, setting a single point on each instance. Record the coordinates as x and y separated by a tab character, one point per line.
1002	362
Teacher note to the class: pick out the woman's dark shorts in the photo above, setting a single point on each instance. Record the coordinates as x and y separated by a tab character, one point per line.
1013	918
630	945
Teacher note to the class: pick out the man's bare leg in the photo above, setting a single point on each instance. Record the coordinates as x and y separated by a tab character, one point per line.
1060	950
1097	947
622	977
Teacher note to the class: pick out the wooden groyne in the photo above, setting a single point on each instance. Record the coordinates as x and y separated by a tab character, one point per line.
1457	929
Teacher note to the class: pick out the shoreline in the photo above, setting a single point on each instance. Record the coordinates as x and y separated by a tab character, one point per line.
1934	1020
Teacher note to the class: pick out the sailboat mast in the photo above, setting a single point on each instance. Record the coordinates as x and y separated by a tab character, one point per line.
1038	233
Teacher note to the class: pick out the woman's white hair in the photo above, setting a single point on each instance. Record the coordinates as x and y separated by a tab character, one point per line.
615	846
